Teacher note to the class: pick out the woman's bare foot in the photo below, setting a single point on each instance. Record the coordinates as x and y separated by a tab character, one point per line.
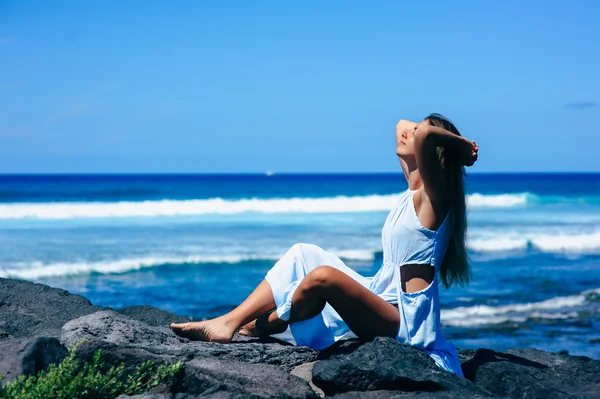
215	330
250	330
264	326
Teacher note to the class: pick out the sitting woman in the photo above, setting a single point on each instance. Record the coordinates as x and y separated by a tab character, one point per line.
323	300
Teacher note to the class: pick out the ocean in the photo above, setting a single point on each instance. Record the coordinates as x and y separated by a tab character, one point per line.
197	245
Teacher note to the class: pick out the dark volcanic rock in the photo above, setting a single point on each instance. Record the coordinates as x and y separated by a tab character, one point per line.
304	371
32	316
152	315
27	356
401	395
112	327
114	355
160	396
465	355
204	376
386	364
115	328
213	377
28	309
341	348
531	373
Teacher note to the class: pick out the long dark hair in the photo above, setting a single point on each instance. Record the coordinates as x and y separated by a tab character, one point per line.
455	266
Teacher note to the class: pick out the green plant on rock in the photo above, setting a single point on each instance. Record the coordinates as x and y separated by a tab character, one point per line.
91	380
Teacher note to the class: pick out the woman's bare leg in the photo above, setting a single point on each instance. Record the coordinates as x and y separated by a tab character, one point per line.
221	329
365	313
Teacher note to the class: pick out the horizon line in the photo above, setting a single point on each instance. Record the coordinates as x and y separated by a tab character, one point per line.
273	173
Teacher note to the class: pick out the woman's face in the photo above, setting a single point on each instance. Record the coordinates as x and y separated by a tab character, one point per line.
405	139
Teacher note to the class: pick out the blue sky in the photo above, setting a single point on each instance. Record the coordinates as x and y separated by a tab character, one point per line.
293	86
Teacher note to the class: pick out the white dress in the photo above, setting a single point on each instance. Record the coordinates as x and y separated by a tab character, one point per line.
405	241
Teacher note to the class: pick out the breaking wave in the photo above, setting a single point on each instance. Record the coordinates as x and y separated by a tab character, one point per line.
338	204
559	243
562	307
37	270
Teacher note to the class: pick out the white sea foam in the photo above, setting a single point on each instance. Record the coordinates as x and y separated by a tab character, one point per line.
553	316
480	321
338	204
355	254
593	291
36	270
566	243
219	206
557	243
498	244
498	201
488	315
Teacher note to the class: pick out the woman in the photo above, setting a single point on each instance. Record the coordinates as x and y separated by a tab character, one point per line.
323	300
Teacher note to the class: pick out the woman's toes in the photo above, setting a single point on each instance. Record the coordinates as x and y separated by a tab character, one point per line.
211	330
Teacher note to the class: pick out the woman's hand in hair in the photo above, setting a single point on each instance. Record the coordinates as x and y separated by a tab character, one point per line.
468	152
461	151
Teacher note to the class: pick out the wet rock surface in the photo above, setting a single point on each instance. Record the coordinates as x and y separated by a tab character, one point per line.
38	323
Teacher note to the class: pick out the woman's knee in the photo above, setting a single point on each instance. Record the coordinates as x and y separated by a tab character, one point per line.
296	247
321	277
302	247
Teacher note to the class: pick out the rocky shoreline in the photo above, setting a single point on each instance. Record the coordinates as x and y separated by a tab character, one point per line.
38	323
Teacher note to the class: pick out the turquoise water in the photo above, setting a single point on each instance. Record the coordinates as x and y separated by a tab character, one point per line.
198	244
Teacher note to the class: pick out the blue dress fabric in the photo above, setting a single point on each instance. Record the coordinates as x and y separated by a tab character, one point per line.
405	241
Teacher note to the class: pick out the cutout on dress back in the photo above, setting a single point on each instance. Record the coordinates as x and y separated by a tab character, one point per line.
409	271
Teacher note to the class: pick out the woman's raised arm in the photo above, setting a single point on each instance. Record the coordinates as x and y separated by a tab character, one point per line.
457	150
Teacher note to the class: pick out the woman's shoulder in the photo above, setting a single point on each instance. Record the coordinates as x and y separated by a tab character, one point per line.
430	212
